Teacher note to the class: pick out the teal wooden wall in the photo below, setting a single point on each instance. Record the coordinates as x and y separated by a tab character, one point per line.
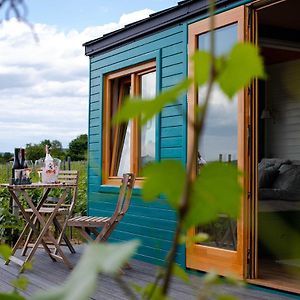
152	223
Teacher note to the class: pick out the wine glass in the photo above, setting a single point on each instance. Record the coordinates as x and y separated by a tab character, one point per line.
28	169
39	164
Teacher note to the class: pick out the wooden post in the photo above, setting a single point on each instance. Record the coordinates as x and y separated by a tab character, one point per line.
229	158
64	165
69	163
8	172
220	157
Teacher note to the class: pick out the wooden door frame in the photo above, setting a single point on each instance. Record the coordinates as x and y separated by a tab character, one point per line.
252	10
252	95
202	257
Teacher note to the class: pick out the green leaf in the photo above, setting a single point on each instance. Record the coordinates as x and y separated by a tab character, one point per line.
27	265
20	283
198	238
230	280
216	190
195	239
202	62
182	239
5	251
165	177
150	289
146	109
11	296
97	258
241	65
212	278
180	273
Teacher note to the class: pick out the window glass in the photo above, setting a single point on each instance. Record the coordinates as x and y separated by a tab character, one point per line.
148	90
124	166
219	137
120	133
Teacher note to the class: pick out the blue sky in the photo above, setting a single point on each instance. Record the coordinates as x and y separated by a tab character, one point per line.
80	14
44	85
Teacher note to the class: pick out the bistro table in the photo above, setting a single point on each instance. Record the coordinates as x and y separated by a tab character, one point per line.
18	192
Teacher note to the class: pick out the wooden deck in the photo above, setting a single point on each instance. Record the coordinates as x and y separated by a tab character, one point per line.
46	274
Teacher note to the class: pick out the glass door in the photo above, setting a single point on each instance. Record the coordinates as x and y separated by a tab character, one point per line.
275	109
223	140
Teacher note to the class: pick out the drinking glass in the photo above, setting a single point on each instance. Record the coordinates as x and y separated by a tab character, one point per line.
39	164
28	170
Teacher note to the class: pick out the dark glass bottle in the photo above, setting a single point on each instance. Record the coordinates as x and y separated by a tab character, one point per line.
16	164
23	163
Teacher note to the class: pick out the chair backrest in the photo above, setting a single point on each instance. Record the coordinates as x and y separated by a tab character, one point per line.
125	194
68	176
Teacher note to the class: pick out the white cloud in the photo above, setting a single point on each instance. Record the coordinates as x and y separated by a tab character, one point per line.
44	85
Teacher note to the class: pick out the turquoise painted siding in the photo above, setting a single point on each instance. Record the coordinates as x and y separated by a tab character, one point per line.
152	223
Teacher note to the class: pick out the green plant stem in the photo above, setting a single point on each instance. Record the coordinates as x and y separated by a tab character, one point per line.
198	128
158	277
125	287
171	258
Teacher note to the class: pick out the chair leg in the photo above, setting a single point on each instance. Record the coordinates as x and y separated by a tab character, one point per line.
63	236
105	232
94	231
84	234
30	234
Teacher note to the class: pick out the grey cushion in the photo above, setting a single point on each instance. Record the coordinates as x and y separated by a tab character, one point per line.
288	181
267	176
270	162
269	194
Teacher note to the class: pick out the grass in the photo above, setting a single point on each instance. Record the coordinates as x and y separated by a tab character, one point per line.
4	173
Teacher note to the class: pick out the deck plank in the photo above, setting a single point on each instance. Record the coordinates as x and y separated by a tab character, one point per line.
47	274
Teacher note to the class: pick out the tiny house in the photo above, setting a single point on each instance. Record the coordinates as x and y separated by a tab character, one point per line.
259	131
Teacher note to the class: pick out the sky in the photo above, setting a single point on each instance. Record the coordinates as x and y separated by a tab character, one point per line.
44	84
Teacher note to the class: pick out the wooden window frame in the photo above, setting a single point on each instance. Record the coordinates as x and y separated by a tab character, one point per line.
135	72
204	257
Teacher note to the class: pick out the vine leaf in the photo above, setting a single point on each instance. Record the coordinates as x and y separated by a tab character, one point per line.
97	258
150	289
5	251
216	191
11	296
21	283
202	61
236	70
180	273
164	178
146	109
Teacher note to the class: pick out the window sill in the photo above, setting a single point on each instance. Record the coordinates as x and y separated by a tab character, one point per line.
105	188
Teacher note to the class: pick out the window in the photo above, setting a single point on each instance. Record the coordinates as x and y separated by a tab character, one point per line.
126	146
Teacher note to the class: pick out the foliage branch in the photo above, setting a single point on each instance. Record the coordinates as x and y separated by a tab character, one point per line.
198	199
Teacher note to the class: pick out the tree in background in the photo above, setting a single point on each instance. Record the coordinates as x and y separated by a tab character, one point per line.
5	157
37	151
78	148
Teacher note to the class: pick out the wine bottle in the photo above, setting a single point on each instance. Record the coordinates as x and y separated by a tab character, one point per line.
16	164
23	163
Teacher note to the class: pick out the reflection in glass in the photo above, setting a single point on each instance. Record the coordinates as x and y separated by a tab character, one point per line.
124	165
219	139
120	133
148	90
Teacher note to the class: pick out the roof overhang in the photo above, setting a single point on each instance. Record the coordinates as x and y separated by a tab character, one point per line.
185	10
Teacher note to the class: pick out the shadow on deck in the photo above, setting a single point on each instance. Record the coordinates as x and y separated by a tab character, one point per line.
47	274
